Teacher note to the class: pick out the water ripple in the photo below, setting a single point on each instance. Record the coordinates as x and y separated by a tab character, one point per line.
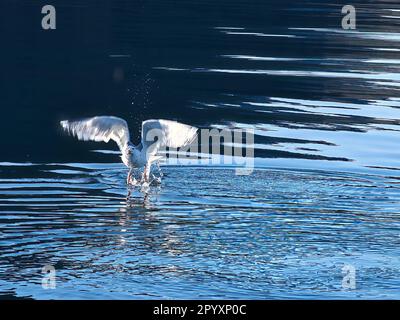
261	236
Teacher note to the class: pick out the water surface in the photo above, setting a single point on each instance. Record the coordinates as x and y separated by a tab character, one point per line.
275	234
325	106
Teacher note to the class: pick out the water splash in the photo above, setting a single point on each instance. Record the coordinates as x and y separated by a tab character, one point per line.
145	187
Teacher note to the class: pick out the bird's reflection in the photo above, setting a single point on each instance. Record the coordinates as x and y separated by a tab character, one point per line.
139	221
142	195
141	207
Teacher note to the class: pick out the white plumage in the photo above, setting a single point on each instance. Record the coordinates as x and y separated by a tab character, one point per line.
156	134
99	129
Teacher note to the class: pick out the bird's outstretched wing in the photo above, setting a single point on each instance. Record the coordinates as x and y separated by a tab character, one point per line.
101	128
166	133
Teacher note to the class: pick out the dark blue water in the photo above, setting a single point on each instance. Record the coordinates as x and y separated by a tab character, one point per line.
324	103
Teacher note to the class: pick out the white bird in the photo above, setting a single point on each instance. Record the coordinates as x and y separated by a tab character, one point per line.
156	134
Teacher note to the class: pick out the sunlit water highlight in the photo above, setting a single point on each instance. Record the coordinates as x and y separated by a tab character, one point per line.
203	233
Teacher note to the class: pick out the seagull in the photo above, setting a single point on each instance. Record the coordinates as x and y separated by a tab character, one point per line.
105	128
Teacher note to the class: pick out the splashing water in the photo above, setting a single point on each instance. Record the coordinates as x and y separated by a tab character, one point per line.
144	186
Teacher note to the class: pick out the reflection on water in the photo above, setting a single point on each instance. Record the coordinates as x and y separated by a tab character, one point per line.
313	90
359	125
204	233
